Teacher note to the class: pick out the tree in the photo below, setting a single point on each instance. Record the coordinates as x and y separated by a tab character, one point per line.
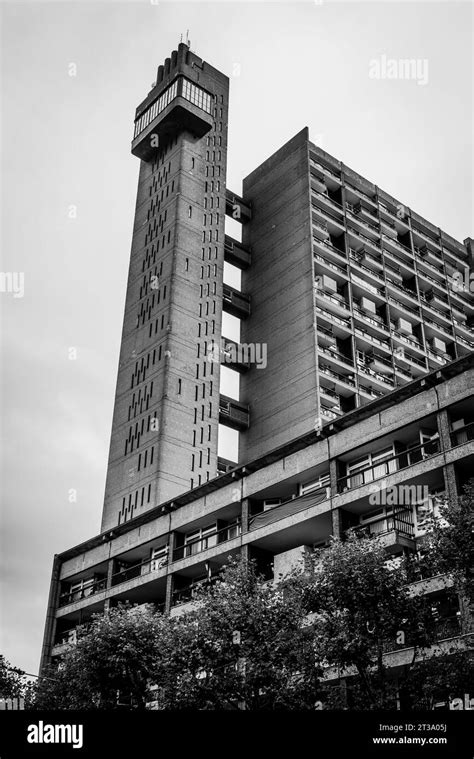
362	609
450	540
108	667
244	646
12	680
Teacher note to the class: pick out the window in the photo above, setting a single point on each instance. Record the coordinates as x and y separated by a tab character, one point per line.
159	558
200	540
320	483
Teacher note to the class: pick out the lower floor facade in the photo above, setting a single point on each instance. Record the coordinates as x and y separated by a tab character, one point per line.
381	470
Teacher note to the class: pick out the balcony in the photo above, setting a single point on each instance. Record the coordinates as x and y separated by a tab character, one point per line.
325	170
329	414
463	434
444	328
432	309
378	363
430	256
330	397
334	320
225	465
236	356
236	303
439	300
369	318
367	337
345	384
411	341
289	508
377	377
71	596
147	566
356	260
399	247
409	457
404	308
190	593
370	391
393	532
236	254
328	264
199	545
332	217
439	358
400	288
365	287
320	230
364	243
233	413
334	354
366	220
333	302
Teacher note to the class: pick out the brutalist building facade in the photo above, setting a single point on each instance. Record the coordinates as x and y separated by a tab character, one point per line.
363	312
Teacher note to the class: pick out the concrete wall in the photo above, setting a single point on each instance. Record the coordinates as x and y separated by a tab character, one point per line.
282	397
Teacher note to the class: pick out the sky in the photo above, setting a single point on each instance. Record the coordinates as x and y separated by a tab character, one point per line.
71	77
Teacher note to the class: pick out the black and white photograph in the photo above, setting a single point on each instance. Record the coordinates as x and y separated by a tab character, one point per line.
237	377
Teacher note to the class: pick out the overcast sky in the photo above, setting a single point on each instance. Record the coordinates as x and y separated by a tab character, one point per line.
66	142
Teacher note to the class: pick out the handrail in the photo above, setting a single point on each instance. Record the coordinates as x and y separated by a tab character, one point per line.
340	302
408	454
468	429
89	590
182	552
337	355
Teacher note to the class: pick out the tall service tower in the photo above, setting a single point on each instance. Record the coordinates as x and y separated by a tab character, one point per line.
165	422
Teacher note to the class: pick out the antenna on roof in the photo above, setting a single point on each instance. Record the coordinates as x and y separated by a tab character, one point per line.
188	41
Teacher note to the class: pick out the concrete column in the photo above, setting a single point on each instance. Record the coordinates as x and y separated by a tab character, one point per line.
245	514
333	476
337	530
450	483
442	420
169	592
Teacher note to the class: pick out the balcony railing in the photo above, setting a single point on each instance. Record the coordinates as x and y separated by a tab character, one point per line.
331	373
408	340
398	244
399	461
367	336
401	521
371	373
318	165
143	567
189	593
375	321
335	354
399	258
415	311
335	267
329	413
198	545
334	319
333	214
399	286
337	301
71	596
442	327
463	435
